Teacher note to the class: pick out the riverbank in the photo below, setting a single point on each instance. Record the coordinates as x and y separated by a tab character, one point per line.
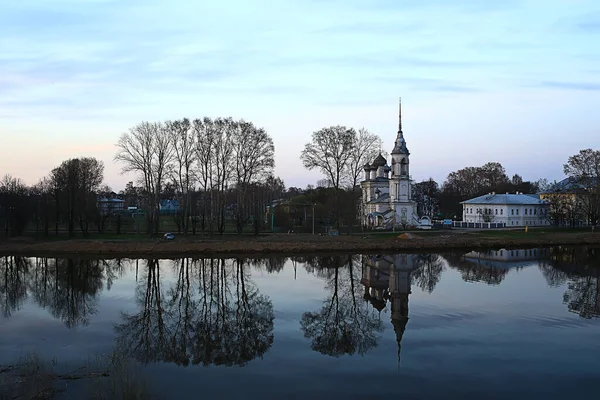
296	244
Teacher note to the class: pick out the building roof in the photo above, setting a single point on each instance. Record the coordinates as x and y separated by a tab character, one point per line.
567	185
384	198
380	161
107	200
505	199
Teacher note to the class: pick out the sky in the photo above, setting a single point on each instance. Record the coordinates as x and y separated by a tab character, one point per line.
512	81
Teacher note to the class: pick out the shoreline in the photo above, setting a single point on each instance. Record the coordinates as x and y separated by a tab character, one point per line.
287	245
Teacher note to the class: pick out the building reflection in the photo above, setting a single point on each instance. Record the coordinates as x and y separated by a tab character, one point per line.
388	279
508	258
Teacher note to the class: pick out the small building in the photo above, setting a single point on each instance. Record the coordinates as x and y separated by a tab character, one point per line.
567	200
512	210
169	206
108	205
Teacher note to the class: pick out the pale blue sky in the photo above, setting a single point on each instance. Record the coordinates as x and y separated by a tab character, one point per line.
513	81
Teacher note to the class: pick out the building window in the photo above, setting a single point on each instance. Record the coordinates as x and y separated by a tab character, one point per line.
501	211
525	211
517	211
530	211
496	211
512	211
535	211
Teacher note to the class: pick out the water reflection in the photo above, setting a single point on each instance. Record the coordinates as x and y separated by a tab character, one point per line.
344	324
580	267
388	278
67	288
213	314
211	311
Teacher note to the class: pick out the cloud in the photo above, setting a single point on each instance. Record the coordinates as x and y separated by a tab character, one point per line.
588	23
470	6
585	86
428	84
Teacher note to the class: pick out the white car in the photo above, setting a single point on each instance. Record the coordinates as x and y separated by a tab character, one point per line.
168	236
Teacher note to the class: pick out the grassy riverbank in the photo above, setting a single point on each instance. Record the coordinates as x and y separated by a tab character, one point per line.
102	377
143	246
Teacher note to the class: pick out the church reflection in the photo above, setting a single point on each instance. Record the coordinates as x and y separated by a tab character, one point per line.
388	279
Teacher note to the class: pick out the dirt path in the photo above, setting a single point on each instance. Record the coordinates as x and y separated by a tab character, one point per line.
289	244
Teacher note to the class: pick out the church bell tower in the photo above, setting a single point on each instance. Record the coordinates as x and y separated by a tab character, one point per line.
400	185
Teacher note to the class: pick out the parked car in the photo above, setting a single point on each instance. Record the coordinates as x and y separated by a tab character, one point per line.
168	236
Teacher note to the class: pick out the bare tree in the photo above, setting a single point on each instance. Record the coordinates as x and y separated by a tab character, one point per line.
222	167
76	182
147	150
184	140
205	131
365	148
584	169
486	214
330	151
427	195
13	205
254	154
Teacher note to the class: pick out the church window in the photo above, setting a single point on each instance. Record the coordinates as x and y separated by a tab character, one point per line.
403	167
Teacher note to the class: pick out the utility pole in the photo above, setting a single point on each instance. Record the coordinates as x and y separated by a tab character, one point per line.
313	219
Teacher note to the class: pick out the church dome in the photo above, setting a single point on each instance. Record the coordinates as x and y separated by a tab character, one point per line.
380	161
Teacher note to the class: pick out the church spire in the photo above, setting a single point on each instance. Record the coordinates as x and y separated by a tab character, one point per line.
400	144
400	134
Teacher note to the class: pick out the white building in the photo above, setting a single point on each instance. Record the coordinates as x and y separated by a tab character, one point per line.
510	209
387	199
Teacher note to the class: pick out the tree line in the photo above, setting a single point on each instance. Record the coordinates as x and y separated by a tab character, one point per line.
221	171
204	160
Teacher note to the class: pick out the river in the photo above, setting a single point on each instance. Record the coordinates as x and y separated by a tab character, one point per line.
498	324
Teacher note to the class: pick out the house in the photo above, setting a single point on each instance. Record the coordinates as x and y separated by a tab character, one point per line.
387	199
109	205
169	206
512	210
569	203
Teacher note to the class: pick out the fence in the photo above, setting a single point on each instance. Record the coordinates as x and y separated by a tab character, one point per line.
479	225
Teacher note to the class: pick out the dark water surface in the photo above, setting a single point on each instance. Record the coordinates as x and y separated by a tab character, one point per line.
505	324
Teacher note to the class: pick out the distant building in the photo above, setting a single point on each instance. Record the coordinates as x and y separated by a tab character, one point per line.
387	199
567	199
513	210
108	205
169	206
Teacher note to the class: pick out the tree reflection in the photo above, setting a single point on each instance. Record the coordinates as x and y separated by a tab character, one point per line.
213	314
13	283
428	272
272	265
582	267
344	325
68	288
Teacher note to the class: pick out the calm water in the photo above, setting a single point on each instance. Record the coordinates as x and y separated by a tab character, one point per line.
506	324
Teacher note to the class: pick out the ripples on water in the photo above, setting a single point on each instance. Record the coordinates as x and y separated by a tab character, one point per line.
513	323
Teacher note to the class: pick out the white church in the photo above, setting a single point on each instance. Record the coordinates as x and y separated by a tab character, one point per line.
386	190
